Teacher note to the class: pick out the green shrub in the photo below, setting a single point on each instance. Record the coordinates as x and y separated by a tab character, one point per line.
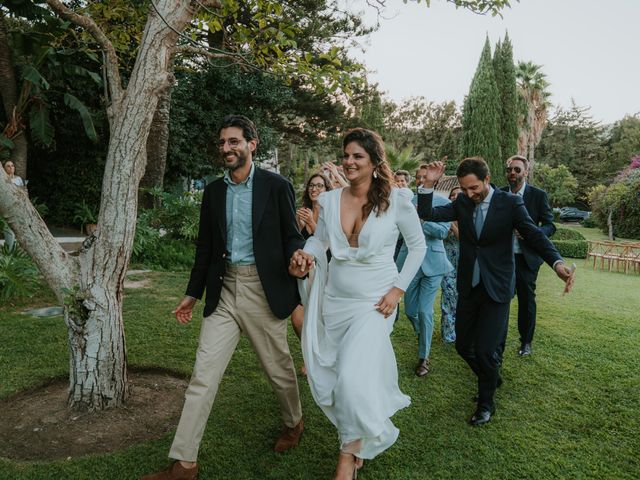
571	248
18	274
178	214
567	234
166	254
589	222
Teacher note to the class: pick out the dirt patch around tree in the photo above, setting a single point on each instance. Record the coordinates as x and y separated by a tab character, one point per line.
36	424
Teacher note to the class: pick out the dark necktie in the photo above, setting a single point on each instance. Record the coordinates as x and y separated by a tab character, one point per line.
478	222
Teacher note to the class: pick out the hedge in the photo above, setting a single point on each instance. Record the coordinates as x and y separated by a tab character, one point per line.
571	248
567	234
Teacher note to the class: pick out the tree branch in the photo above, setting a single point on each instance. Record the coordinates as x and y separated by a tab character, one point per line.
111	62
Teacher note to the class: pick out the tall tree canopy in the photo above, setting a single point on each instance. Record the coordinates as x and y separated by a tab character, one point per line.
481	115
505	72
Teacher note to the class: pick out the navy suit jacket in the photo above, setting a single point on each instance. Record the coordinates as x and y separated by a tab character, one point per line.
537	204
275	238
494	247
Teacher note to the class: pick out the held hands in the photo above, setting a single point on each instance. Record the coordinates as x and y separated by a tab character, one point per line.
387	304
566	274
301	263
184	310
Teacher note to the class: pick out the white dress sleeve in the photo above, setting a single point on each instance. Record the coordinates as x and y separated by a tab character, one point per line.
318	243
409	225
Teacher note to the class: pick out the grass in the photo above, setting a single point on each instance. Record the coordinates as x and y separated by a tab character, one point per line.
570	411
591	233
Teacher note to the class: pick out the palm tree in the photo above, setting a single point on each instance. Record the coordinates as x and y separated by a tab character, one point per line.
534	95
404	159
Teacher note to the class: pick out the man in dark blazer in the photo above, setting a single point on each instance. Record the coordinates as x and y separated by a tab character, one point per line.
486	219
247	235
527	260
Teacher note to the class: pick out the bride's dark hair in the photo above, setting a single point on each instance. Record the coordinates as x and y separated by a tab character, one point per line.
382	181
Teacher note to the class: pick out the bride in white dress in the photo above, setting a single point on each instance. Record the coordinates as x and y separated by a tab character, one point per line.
350	303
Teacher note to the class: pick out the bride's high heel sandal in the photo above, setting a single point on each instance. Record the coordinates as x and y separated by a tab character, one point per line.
357	464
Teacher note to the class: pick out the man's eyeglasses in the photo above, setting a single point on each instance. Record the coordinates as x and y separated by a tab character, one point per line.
317	186
515	169
233	142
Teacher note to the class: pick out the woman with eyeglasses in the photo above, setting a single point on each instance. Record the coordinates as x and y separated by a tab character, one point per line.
449	297
350	304
307	217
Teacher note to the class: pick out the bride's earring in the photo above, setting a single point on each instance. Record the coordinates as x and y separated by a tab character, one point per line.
375	174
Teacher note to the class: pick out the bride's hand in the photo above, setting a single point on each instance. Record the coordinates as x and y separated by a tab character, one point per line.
300	264
387	304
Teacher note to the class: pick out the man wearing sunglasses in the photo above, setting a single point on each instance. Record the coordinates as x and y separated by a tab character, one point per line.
527	260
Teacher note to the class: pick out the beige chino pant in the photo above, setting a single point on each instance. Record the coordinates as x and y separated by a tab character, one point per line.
243	307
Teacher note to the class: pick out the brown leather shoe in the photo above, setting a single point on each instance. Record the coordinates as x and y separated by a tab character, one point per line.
174	472
289	438
423	367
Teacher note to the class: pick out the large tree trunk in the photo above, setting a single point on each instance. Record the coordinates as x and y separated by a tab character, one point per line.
157	145
98	354
9	94
91	285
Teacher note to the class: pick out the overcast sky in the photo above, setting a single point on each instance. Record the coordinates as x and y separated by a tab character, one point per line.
589	50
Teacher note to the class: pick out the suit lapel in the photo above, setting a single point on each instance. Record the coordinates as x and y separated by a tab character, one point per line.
220	206
261	187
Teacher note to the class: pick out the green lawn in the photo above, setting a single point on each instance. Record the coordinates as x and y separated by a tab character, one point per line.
570	411
591	233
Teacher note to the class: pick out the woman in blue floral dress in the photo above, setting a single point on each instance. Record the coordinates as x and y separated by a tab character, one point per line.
449	297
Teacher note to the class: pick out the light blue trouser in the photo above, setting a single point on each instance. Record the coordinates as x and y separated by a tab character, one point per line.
418	305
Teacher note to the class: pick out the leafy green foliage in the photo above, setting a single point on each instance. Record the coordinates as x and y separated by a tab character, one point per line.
405	159
570	243
165	254
18	275
572	138
481	114
571	248
622	144
560	185
431	128
622	200
562	233
195	117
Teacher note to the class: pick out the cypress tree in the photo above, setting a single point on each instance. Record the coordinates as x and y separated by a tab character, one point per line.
481	117
449	147
506	80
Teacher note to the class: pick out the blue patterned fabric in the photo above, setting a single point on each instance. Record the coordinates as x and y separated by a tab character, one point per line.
449	297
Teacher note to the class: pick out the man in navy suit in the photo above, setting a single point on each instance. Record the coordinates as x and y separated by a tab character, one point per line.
527	260
421	292
486	219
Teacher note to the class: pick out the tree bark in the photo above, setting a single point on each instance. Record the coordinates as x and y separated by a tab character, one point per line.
9	94
157	145
91	285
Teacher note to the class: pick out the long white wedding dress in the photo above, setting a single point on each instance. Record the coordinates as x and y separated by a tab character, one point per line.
351	365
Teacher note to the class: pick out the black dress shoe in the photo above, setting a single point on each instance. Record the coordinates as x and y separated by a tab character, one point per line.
481	416
525	349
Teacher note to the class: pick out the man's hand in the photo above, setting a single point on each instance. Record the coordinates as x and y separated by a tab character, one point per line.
566	274
435	170
387	304
184	310
301	263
